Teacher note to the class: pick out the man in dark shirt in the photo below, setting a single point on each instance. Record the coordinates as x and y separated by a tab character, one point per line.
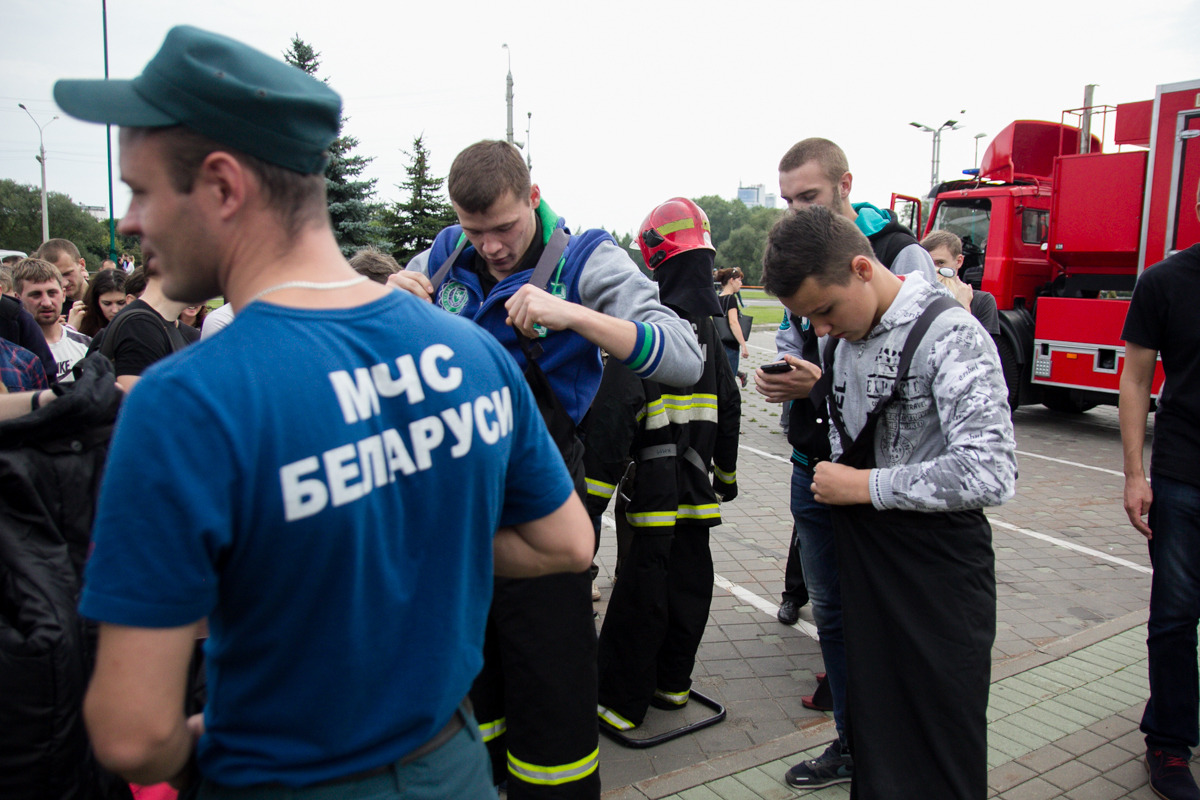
1162	322
142	338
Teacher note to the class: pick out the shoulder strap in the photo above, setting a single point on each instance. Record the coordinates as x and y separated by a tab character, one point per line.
439	276
549	259
915	335
541	272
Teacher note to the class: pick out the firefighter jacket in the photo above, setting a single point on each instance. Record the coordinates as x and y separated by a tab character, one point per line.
673	436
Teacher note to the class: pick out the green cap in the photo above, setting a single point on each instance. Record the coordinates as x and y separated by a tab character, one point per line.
223	89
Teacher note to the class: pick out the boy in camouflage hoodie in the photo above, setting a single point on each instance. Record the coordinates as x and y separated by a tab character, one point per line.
921	441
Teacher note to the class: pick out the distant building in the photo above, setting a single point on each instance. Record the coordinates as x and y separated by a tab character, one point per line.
99	212
751	196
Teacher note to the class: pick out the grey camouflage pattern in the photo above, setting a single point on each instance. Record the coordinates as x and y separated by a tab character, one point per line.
947	442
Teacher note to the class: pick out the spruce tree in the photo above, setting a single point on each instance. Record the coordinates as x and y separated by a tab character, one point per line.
411	225
351	209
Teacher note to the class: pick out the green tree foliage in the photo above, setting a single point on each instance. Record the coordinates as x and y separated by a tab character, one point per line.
350	196
739	233
412	225
21	223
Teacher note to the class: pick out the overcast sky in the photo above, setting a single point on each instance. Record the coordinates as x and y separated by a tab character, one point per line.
632	102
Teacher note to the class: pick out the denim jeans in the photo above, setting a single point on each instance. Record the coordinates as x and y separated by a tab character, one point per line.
814	535
1171	721
459	768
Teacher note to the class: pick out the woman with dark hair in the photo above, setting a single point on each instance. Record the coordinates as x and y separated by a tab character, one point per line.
730	279
105	297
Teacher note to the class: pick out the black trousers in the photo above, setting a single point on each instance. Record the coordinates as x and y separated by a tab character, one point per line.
655	619
535	698
794	588
919	609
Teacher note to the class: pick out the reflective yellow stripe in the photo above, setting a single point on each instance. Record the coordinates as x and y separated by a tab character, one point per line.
674	698
685	408
706	511
553	776
614	719
684	224
723	476
651	519
490	730
601	489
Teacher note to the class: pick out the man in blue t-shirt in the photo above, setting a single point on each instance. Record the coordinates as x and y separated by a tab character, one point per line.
295	496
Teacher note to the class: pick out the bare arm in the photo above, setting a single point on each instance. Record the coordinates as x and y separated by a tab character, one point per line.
1137	377
562	541
127	382
20	404
134	704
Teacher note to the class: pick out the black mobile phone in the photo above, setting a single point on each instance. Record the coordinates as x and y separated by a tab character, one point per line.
776	367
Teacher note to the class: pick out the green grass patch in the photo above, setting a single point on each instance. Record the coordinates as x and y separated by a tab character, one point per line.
764	315
755	294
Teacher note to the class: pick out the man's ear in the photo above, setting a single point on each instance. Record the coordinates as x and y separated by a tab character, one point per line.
862	268
535	196
958	261
844	187
225	182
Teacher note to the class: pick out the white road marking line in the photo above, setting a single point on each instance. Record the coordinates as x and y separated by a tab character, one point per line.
1071	463
771	609
1070	545
763	453
763	605
764	349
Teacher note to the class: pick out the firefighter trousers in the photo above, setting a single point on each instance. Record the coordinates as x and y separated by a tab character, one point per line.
535	698
655	620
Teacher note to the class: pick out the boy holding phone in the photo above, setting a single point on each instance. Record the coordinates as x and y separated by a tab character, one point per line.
920	445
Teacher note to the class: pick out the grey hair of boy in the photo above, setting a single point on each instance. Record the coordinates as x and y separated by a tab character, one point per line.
812	242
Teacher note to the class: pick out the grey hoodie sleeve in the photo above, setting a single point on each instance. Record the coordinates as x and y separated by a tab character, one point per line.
915	258
612	285
787	340
976	465
419	263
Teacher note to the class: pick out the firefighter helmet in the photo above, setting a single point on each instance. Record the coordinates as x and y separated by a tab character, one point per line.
673	227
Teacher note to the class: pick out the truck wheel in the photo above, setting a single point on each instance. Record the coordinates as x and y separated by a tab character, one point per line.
1067	401
1011	370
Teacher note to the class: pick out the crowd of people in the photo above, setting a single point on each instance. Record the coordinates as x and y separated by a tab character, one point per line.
388	550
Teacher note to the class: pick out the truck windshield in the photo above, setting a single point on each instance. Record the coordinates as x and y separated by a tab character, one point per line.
967	218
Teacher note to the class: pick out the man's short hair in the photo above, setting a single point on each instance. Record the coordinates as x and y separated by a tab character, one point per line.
108	263
831	158
814	243
6	283
8	261
135	284
298	199
375	264
945	239
34	270
485	171
52	249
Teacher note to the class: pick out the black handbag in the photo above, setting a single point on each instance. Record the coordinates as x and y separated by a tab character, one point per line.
726	333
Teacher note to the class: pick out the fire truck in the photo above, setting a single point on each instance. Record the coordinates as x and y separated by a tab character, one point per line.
1058	231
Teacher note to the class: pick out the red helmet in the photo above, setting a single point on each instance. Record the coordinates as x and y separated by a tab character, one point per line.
672	228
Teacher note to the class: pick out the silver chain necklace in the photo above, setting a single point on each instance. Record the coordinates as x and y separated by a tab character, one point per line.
309	285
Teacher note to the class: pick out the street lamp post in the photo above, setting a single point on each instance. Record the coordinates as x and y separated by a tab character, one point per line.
977	137
950	124
42	160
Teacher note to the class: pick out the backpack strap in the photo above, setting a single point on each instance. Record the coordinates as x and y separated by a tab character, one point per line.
444	269
866	436
549	259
